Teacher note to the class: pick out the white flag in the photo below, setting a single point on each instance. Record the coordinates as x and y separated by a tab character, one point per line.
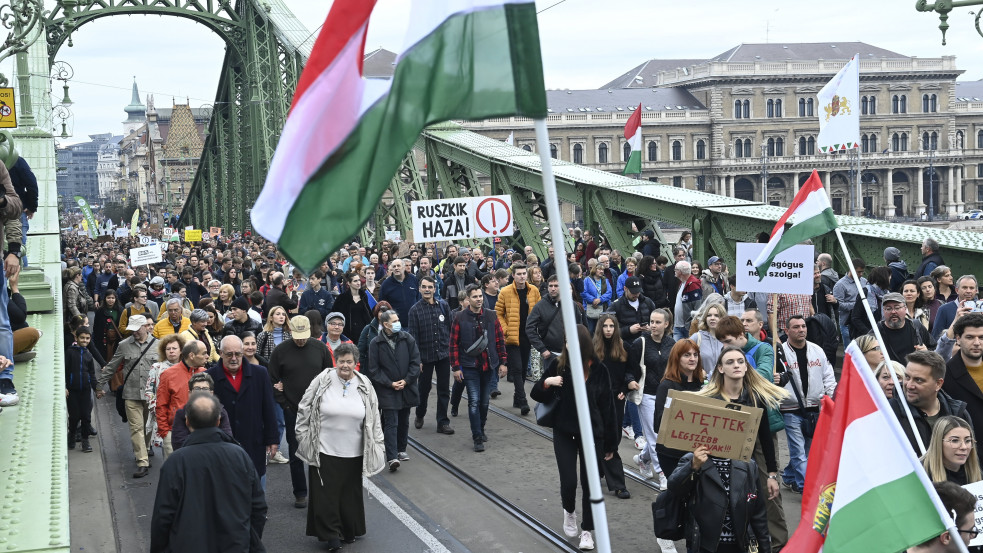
511	139
839	114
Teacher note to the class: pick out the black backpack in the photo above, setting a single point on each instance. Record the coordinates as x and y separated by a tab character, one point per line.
669	513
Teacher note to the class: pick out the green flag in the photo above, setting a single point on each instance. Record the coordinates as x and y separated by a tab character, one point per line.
133	222
87	212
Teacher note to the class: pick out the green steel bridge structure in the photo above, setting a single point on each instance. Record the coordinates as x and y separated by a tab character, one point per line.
266	48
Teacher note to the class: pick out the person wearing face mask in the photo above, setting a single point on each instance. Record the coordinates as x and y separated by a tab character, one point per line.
394	368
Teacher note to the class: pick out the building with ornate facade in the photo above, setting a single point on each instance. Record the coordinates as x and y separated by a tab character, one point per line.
744	124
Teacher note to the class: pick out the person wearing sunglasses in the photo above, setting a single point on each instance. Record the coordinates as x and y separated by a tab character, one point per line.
200	382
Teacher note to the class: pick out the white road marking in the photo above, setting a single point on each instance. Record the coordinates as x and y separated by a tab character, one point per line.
425	536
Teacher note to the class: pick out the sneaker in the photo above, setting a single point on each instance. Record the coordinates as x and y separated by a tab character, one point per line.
300	501
402	456
418	423
643	467
792	486
479	446
495	394
586	541
623	493
453	410
394	465
524	410
640	442
628	432
667	546
279	459
570	524
9	400
663	482
86	447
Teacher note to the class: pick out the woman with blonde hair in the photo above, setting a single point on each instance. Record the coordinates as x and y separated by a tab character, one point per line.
882	372
226	295
275	331
702	330
951	454
871	349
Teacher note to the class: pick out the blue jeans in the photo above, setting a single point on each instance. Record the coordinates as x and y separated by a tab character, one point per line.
845	334
281	425
478	384
631	418
25	225
6	334
798	449
679	333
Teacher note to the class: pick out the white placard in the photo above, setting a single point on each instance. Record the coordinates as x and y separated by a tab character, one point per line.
146	255
394	235
790	271
454	219
976	488
168	232
122	232
146	240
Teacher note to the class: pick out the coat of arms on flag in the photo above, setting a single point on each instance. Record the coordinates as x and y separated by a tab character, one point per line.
839	125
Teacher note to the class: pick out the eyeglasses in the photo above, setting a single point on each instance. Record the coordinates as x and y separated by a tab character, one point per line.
202	389
956	442
972	532
232	354
335	323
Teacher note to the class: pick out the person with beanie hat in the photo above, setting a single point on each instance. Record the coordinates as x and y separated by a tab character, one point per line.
241	321
899	269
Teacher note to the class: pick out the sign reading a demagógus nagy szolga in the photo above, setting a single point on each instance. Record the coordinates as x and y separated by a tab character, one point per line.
461	218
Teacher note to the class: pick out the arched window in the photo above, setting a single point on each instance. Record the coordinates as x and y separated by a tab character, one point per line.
895	104
960	140
802	145
896	142
738	148
748	152
979	139
904	142
653	150
863	106
626	151
527	147
779	146
873	143
904	104
747	109
864	142
578	153
934	143
811	145
701	149
872	106
809	104
933	103
553	152
771	147
778	107
737	109
802	107
677	150
925	145
925	103
602	152
770	109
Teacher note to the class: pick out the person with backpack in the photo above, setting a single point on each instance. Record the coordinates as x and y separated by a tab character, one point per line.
899	269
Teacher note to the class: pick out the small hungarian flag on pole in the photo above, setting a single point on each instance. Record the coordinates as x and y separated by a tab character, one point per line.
633	134
346	135
868	492
813	217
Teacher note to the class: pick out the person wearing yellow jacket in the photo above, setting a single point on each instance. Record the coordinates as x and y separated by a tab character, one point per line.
198	330
514	304
174	323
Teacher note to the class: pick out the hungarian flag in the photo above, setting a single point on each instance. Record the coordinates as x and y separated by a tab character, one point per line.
633	134
813	217
346	135
866	490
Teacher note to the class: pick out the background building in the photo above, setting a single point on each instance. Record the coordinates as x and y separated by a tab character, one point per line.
77	173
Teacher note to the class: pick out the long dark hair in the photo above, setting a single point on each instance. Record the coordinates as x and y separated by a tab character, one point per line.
586	350
615	346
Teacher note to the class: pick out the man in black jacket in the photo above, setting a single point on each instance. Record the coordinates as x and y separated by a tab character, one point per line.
544	328
632	310
241	321
924	377
963	369
277	296
190	485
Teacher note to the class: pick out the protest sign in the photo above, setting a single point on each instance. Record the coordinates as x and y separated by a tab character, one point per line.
976	488
727	430
146	255
192	235
790	272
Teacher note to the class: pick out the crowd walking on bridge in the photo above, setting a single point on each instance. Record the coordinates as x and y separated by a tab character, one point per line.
224	351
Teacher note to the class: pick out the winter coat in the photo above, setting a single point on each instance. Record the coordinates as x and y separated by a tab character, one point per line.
80	369
127	354
656	357
388	364
358	315
592	290
959	384
928	264
708	500
235	328
264	342
275	297
209	499
400	295
549	338
600	403
507	309
252	414
822	382
206	339
899	274
368	334
947	407
692	298
180	430
309	423
628	315
77	302
322	301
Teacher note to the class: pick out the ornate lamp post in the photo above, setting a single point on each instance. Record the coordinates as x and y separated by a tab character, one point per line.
943	7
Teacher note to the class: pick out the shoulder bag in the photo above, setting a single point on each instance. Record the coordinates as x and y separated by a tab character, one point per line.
809	418
636	395
595	311
547	413
120	402
669	512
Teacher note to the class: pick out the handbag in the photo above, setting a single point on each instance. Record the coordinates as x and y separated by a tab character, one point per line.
809	418
546	413
636	395
595	311
669	516
120	402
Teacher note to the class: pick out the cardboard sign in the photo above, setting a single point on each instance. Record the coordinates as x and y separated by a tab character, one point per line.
215	231
457	218
976	488
790	271
192	235
145	256
154	230
726	429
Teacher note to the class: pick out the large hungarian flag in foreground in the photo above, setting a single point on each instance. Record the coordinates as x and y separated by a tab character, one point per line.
865	489
633	134
346	136
813	217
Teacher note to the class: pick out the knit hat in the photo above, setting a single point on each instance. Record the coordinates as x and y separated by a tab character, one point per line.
241	303
892	254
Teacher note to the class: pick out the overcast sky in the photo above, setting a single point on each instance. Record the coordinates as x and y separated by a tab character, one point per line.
585	43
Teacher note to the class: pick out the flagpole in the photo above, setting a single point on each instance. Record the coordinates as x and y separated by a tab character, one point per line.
862	296
603	540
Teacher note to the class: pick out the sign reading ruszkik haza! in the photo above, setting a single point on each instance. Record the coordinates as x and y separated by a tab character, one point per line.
461	218
726	429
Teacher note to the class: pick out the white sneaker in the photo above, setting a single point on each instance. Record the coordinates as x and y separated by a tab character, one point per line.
667	546
640	442
279	459
628	432
643	467
570	524
7	400
663	482
586	541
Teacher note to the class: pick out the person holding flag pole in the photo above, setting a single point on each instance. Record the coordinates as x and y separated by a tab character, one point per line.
329	171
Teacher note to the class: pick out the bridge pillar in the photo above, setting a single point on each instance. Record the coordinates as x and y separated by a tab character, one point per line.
888	207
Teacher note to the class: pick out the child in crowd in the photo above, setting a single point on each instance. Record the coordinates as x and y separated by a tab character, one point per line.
80	382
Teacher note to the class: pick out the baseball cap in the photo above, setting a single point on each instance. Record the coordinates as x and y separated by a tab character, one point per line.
892	296
633	285
713	260
300	327
135	322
